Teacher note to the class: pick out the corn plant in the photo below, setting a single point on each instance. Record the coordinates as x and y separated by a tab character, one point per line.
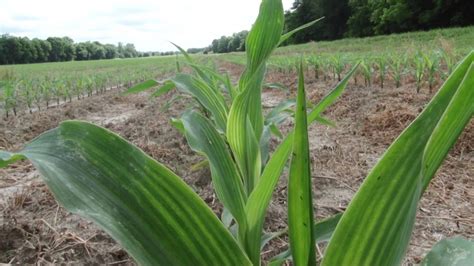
432	66
449	62
37	93
381	63
315	61
398	69
28	93
10	96
338	66
420	65
46	91
367	72
160	220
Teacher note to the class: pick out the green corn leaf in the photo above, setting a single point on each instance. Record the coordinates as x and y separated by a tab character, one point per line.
276	131
262	40
204	138
287	35
332	97
325	121
280	112
168	86
449	126
186	55
7	158
197	68
209	98
300	200
259	199
200	165
245	122
226	218
455	251
178	124
170	102
246	108
151	83
149	210
377	225
275	85
267	237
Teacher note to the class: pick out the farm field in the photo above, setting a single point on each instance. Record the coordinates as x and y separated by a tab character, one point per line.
392	86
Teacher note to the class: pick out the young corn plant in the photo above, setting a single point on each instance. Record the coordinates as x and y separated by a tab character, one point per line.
398	66
315	61
432	66
159	220
46	90
420	65
28	93
367	72
10	96
338	66
381	63
37	93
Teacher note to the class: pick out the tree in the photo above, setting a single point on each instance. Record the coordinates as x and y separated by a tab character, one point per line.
68	48
82	53
129	51
110	51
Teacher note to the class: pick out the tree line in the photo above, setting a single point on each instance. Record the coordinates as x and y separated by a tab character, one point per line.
22	50
361	18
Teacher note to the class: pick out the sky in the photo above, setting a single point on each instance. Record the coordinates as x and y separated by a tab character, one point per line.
149	24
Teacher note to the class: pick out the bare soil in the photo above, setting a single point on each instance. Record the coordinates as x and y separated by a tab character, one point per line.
34	229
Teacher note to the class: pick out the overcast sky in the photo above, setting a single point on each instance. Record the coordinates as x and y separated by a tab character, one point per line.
149	24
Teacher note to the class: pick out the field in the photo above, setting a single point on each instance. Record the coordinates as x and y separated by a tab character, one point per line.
398	77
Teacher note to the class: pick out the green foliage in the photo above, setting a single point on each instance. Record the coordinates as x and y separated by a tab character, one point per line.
159	220
455	251
300	199
21	50
420	65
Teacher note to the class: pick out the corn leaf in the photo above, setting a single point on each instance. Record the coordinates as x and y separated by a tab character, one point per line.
204	138
376	227
178	124
168	86
259	199
245	121
197	68
151	83
149	210
300	200
209	98
455	251
287	35
262	40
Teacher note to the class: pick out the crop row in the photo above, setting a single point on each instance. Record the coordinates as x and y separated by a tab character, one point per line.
23	91
421	67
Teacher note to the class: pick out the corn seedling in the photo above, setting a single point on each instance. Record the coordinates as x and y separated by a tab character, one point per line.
367	72
28	93
381	63
338	66
9	89
160	220
420	65
398	68
432	66
315	61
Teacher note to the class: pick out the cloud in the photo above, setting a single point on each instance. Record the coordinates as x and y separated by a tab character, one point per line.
149	24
